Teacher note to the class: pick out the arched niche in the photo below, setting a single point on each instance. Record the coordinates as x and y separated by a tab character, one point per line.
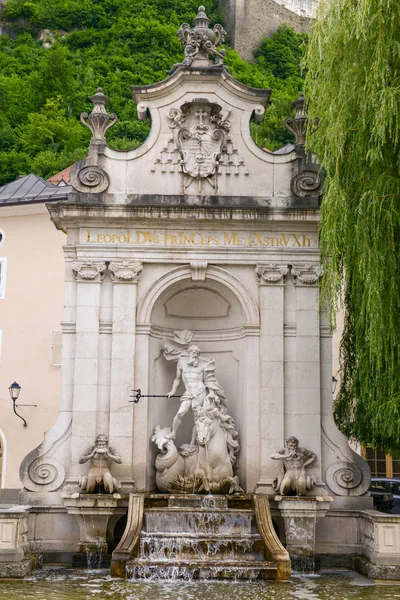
221	313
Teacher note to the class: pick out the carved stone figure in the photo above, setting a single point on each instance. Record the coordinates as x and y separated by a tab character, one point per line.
101	457
194	372
295	460
206	464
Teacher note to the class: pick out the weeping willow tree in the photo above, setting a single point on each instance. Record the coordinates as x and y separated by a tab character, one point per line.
353	85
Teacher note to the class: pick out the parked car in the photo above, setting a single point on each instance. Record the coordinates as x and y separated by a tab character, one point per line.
386	494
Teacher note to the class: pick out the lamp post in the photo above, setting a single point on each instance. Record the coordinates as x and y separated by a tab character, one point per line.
14	390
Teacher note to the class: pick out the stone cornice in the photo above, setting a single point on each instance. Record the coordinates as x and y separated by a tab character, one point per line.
70	214
183	75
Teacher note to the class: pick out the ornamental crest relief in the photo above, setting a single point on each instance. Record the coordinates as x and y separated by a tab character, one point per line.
201	134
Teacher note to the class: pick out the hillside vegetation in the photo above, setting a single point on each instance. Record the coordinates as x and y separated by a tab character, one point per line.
55	53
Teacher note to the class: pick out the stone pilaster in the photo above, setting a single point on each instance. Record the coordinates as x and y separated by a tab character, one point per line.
68	327
88	274
141	461
303	408
271	289
124	275
104	377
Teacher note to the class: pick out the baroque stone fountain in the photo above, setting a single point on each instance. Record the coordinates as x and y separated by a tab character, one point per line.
200	226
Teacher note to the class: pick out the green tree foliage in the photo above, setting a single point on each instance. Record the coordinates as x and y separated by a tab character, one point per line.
55	54
353	84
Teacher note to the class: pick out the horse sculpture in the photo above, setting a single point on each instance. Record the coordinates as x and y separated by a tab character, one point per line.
206	468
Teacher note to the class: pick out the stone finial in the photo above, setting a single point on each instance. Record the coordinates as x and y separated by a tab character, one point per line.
99	120
299	123
201	42
309	179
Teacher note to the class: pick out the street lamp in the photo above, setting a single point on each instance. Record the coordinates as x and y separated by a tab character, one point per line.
14	390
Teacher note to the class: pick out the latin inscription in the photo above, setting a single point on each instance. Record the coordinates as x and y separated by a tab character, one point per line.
140	237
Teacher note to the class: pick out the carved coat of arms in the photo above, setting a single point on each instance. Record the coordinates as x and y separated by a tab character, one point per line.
200	139
200	146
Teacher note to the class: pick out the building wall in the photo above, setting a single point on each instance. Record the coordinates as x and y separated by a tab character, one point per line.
250	21
30	311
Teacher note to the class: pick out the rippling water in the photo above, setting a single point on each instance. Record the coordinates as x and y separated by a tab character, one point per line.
64	584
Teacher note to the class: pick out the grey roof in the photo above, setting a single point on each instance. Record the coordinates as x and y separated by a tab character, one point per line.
285	150
32	189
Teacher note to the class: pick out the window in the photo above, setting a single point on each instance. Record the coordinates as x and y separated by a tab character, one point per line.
3	264
56	344
377	461
2	236
381	464
396	468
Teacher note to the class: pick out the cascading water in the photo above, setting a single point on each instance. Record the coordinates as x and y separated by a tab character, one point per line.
94	553
200	537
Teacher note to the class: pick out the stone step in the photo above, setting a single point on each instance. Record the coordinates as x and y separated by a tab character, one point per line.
198	521
188	546
199	569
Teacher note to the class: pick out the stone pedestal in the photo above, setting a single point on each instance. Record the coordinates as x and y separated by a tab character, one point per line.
13	534
300	515
14	542
93	512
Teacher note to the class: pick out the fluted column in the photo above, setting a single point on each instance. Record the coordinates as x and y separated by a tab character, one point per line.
124	275
271	293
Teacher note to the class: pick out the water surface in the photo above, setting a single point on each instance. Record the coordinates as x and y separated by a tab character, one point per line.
69	584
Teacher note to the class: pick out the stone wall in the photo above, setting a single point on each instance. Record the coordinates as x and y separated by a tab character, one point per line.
249	21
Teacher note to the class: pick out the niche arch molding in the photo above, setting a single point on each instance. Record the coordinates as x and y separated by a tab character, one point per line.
222	276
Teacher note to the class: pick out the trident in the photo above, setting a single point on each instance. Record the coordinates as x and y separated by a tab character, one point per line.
139	395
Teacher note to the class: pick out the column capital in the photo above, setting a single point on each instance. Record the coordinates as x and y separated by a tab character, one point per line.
88	270
271	273
306	274
125	271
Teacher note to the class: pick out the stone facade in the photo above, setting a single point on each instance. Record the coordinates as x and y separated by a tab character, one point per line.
197	229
